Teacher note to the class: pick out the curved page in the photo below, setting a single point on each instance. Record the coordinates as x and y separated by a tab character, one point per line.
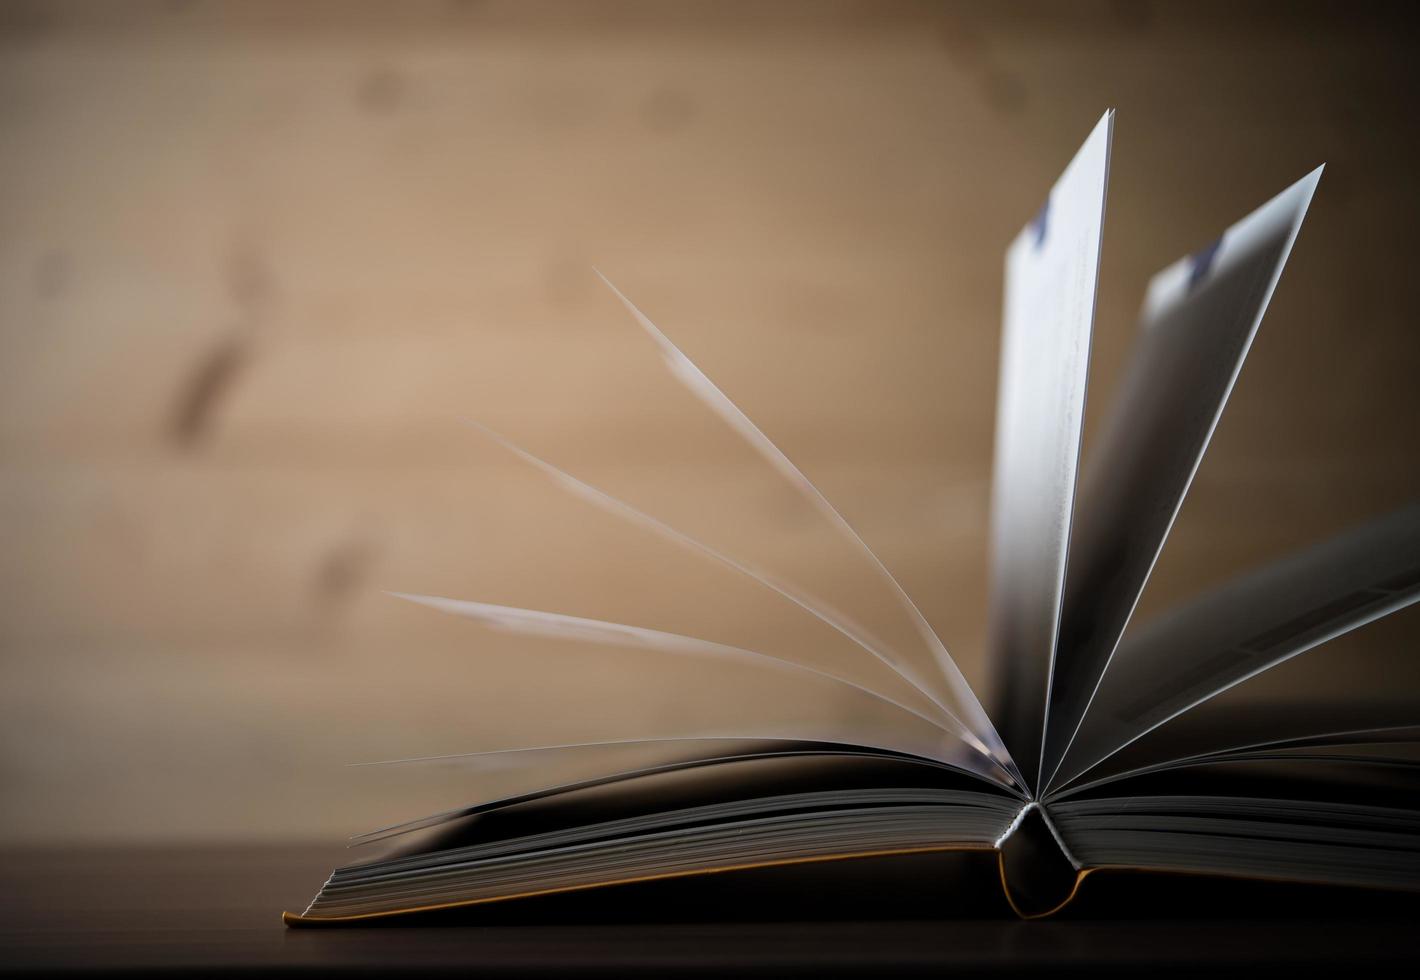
1247	626
1051	273
878	721
956	697
1198	322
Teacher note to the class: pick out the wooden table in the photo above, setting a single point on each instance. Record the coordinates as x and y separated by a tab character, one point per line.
211	908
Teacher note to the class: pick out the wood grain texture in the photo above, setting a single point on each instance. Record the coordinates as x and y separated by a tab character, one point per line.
258	259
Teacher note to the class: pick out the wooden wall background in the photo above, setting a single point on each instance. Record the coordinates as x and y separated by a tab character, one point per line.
257	259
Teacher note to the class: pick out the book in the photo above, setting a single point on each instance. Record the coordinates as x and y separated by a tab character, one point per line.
1050	784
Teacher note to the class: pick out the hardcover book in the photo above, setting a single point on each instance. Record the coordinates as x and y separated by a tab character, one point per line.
1057	780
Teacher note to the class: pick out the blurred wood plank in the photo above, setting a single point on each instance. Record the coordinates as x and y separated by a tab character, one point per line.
259	258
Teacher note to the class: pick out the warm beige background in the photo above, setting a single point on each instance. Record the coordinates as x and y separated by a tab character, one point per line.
257	258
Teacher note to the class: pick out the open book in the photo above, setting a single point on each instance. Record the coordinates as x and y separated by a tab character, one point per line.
1051	781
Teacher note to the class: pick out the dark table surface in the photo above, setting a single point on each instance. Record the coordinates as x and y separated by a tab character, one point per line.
219	908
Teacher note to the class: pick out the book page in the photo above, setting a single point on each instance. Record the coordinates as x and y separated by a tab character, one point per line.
942	683
1316	819
1199	319
874	720
1198	651
513	777
1367	744
1365	680
993	757
1051	273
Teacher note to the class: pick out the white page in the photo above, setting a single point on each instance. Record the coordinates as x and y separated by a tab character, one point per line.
1051	273
1199	319
943	743
994	758
1250	624
1264	750
957	700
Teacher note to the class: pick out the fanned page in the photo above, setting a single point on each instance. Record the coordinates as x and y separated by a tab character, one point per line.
1247	626
896	705
1381	743
899	728
1359	687
1052	269
944	685
1199	319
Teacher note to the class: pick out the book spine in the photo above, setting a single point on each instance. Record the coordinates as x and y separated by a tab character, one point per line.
1038	873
